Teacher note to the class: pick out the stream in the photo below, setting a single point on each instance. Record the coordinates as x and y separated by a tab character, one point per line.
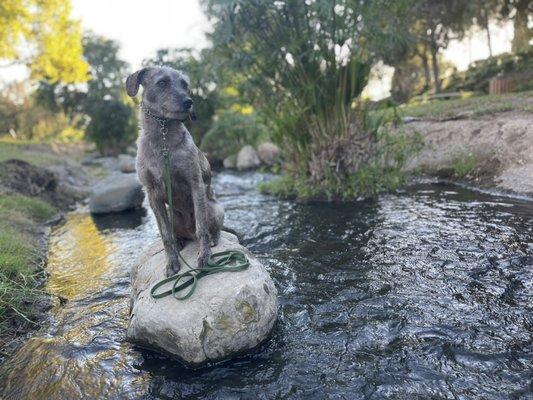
426	293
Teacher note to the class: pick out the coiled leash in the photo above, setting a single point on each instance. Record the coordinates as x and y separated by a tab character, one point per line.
224	261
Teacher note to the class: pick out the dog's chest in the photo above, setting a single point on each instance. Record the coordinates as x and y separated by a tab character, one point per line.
151	166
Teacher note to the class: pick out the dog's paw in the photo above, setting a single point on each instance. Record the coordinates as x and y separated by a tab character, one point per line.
203	258
173	268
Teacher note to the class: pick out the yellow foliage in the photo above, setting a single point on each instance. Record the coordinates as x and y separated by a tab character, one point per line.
244	109
14	23
231	91
46	26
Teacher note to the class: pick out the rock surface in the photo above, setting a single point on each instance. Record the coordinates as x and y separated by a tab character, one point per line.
229	162
115	193
126	163
228	313
247	158
268	153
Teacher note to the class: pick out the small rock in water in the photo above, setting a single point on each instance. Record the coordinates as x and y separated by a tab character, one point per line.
126	163
247	158
229	162
268	153
115	193
229	312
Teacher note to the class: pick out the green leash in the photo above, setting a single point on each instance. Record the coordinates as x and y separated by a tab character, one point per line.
224	261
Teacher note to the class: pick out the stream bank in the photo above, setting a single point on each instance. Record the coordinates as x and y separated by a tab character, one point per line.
488	151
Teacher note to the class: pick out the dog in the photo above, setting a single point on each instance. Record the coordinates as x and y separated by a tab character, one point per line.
196	215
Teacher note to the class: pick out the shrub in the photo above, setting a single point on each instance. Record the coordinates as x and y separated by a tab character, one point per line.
112	127
372	160
230	132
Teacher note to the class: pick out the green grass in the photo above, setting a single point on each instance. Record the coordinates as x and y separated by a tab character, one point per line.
466	107
19	255
464	166
39	154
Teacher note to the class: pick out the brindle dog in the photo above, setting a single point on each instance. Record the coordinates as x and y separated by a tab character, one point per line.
167	103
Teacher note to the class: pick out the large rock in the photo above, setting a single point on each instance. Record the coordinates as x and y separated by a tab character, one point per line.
126	163
229	312
247	158
118	192
269	153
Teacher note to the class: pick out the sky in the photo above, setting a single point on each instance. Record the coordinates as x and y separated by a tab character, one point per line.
143	26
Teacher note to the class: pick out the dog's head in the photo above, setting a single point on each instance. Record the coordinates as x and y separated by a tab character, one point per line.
166	91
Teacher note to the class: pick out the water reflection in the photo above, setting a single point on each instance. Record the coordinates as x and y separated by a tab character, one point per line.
78	258
125	220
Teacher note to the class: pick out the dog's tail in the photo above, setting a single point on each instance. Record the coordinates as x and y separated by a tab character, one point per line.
239	235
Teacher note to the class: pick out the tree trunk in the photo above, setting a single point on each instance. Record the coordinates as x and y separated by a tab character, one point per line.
522	34
485	24
489	42
435	64
427	73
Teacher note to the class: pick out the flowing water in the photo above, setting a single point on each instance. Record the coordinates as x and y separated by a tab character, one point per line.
422	294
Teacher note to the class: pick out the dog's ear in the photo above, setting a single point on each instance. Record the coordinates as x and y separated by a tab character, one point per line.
134	80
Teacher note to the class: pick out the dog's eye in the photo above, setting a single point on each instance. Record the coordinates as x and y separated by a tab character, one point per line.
184	85
162	82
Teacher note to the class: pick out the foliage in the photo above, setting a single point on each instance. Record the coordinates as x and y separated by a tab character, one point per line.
464	165
47	29
383	170
107	70
230	131
112	127
304	65
19	255
84	108
478	75
23	117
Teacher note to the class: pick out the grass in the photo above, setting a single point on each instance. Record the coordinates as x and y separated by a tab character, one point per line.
467	107
37	154
464	166
19	255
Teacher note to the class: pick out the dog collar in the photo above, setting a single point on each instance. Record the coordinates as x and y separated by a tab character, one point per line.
162	120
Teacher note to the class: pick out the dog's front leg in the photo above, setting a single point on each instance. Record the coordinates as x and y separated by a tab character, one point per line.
160	211
200	213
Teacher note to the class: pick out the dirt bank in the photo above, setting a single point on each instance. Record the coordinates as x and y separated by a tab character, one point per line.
493	150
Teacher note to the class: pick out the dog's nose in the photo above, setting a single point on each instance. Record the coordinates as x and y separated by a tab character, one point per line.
187	103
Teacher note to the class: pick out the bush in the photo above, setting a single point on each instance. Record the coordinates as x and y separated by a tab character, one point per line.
230	132
370	162
112	127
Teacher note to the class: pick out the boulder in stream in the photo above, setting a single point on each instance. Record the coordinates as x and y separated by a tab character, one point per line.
247	159
126	163
115	193
229	313
269	153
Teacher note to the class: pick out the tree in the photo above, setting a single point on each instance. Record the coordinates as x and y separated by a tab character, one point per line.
47	29
523	34
440	21
107	70
111	127
483	12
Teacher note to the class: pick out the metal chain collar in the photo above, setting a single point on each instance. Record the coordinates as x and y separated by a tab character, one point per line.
162	126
